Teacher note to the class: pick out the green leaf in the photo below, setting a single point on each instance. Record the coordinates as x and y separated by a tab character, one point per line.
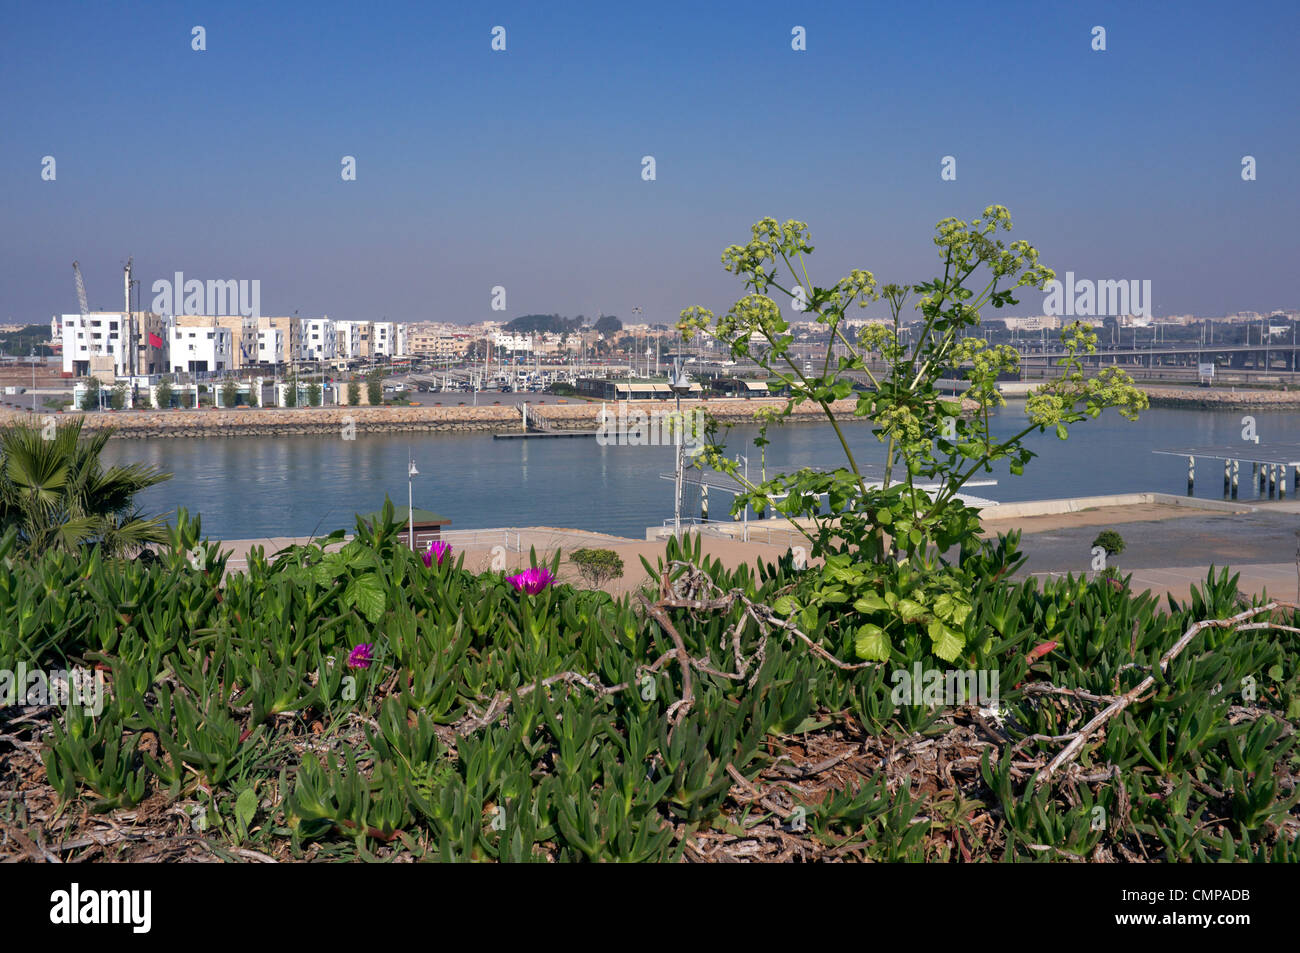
872	643
947	644
245	808
785	606
951	609
911	611
871	602
367	594
1061	432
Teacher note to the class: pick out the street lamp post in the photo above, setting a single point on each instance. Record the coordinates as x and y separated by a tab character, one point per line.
680	385
739	457
410	502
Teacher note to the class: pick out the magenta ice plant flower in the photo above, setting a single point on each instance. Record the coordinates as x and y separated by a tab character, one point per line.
532	581
360	656
437	549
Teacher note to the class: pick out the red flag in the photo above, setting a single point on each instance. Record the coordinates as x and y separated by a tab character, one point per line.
155	340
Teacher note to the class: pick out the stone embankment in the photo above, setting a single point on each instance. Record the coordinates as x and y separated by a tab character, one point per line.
332	421
1218	398
586	416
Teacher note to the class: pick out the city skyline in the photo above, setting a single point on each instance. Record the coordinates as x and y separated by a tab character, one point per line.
522	169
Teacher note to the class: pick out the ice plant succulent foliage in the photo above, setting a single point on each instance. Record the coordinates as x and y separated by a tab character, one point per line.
532	581
892	371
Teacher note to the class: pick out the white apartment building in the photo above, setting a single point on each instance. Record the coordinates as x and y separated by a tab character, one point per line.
289	348
389	339
356	339
384	339
319	341
513	342
98	334
270	346
201	349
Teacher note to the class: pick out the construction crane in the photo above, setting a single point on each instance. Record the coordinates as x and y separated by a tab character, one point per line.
81	291
81	301
131	342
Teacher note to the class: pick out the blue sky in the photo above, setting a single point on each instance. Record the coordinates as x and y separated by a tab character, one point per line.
523	168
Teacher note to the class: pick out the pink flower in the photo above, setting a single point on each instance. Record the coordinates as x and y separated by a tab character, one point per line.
532	581
359	657
437	549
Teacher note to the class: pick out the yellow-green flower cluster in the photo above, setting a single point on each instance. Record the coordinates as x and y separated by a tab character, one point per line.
752	313
881	338
900	423
694	319
859	286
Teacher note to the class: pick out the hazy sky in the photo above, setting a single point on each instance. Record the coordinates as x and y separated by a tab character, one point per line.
523	168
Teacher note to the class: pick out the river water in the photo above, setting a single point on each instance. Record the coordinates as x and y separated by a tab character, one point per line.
255	487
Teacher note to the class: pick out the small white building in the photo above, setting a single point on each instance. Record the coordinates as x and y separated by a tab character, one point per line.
201	350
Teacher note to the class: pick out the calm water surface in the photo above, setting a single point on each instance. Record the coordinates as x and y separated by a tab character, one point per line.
287	486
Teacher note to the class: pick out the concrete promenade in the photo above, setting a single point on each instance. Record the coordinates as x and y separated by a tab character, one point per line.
1171	542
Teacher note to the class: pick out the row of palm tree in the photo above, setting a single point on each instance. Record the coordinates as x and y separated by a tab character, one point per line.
56	493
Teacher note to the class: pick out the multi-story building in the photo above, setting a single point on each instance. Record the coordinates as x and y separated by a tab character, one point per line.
513	342
319	342
357	339
243	334
384	343
96	334
200	348
439	343
290	346
270	346
103	334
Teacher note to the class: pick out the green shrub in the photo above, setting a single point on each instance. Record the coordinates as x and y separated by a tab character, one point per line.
597	566
1110	541
90	397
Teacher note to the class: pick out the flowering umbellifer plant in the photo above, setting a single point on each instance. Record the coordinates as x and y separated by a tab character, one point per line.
893	372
